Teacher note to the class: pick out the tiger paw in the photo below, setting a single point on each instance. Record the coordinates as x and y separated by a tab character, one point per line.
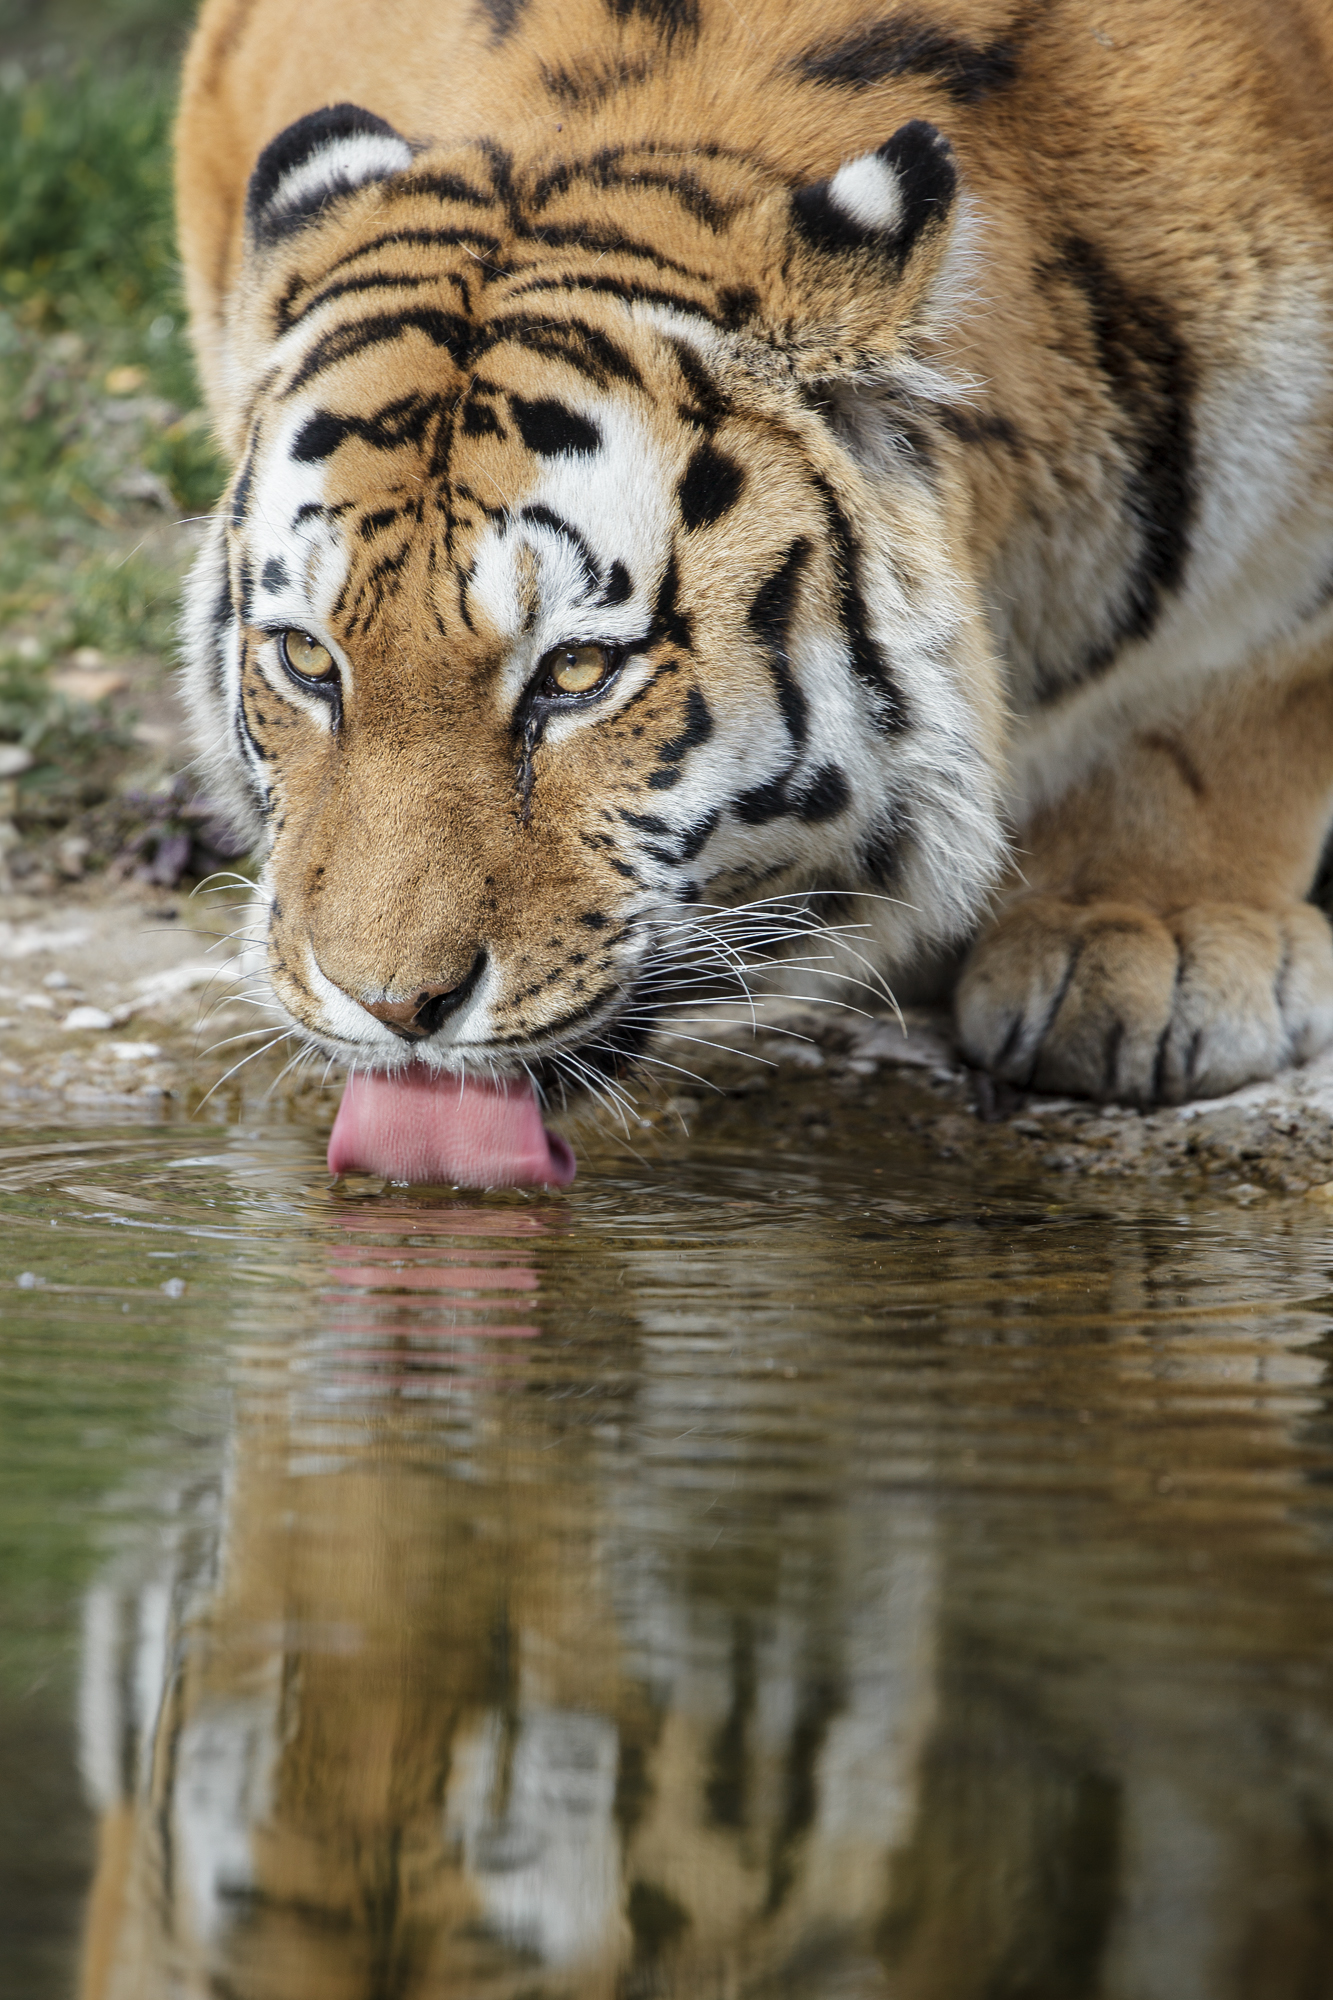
1107	1000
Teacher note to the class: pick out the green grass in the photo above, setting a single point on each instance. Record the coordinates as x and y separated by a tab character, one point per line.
89	284
85	213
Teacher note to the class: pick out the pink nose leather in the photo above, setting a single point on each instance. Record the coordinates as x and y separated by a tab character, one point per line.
403	1015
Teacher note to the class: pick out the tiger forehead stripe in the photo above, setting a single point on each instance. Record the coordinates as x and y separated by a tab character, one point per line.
368	281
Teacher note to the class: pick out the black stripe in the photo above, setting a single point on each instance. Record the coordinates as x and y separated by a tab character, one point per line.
882	854
980	427
628	289
449	331
697	730
618	588
471	239
384	517
593	86
542	517
503	16
737	304
406	421
444	187
273	576
380	582
316	509
480	420
389	565
373	281
221	619
650	687
500	164
581	346
889	710
568	1021
763	803
606	243
825	796
240	497
709	487
696	838
245	738
492	511
908	45
610	169
669	17
551	428
769	618
1150	375
669	621
710	405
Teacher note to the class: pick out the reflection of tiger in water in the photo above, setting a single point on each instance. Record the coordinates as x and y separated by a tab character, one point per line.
409	1710
689	454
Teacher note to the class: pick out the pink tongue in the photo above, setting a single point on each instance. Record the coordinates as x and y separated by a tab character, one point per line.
420	1127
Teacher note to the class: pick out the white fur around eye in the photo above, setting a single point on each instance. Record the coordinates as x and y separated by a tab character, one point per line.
867	190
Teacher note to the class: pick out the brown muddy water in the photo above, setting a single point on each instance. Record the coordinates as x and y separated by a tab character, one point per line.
747	1576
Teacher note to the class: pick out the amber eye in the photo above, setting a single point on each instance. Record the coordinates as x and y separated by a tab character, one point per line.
306	658
577	669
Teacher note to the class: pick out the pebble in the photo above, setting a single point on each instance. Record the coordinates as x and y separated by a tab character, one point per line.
89	1017
79	684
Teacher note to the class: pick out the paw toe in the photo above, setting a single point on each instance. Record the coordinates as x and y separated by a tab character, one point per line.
1110	1001
1064	998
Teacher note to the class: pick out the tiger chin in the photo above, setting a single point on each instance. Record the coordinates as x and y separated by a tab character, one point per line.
686	463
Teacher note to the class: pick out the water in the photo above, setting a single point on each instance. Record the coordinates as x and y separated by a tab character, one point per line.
748	1575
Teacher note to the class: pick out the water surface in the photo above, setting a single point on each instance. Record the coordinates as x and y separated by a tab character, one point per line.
747	1574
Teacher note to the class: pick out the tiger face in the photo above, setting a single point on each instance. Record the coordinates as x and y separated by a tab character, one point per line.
578	581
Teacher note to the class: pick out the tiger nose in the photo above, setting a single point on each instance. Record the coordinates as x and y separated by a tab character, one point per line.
427	1009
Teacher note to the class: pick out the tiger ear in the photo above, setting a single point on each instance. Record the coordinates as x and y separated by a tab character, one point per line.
858	255
323	156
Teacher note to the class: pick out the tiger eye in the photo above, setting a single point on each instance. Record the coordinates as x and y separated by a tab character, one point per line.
306	657
577	669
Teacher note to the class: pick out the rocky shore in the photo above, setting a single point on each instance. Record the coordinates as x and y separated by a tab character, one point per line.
121	1001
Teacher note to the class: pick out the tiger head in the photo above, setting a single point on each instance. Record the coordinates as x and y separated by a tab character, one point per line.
584	573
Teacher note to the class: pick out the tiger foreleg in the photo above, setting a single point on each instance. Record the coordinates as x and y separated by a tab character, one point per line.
1157	946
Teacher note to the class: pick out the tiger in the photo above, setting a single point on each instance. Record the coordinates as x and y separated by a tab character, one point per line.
691	461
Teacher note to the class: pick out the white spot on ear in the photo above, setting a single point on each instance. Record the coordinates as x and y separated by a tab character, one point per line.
341	165
867	190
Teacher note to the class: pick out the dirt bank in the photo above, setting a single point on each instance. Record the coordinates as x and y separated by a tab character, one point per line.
120	1000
